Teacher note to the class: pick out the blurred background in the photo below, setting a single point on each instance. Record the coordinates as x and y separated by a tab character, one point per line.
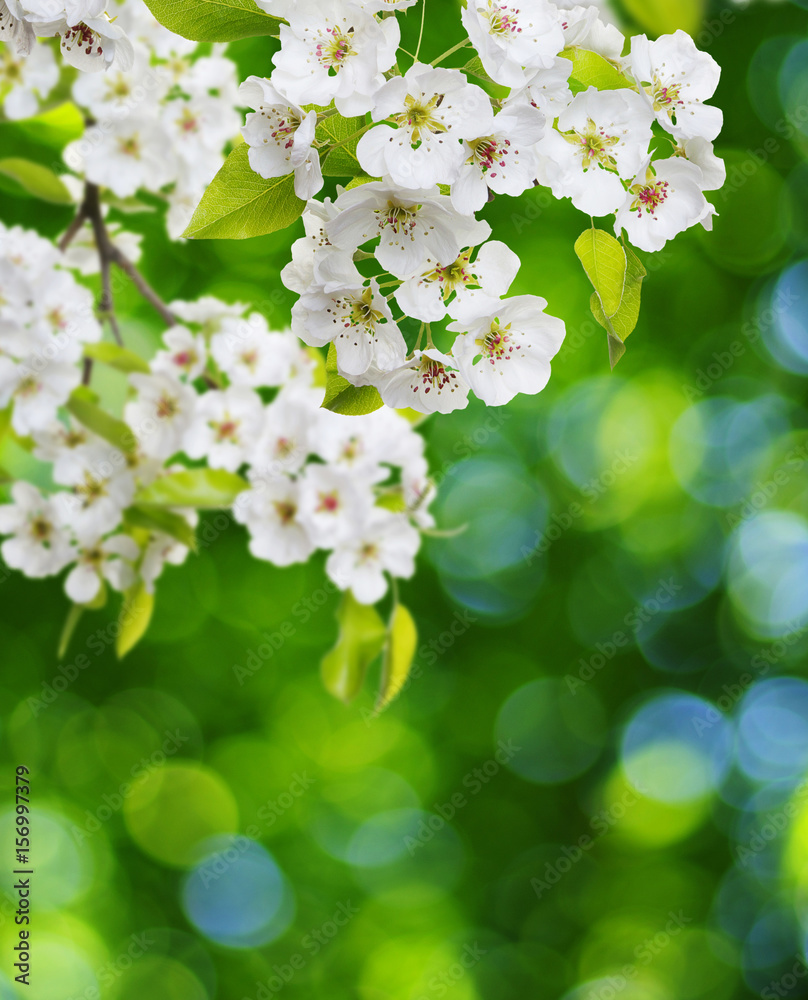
596	782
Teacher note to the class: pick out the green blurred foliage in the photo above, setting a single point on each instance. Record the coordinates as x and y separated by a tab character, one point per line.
418	854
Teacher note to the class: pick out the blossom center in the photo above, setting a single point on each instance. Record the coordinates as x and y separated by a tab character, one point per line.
90	490
401	219
335	49
363	312
595	145
502	21
226	430
420	116
497	344
433	375
649	198
488	152
167	407
329	503
665	96
286	511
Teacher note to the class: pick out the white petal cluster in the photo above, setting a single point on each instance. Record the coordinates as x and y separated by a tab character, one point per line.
45	319
90	39
223	389
160	123
403	241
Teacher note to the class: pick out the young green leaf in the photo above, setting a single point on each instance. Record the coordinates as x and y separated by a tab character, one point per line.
136	613
623	322
166	521
214	20
341	162
56	127
361	638
239	204
206	489
38	181
342	397
117	357
590	69
100	422
663	17
398	656
604	261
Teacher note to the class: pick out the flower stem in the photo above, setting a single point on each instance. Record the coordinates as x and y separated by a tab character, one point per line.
421	33
451	51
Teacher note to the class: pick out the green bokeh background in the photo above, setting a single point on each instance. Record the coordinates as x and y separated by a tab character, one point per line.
582	503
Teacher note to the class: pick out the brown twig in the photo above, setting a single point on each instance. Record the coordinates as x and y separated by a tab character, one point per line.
142	285
73	229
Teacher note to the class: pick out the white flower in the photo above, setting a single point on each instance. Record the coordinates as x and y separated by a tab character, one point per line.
385	543
102	487
583	28
357	320
504	160
280	136
37	387
413	226
208	312
700	151
185	356
198	128
547	90
270	510
39	545
117	91
505	347
425	295
333	50
431	109
161	413
225	427
332	503
429	383
126	154
249	354
675	78
25	81
14	29
108	559
513	35
95	43
286	438
160	551
601	137
663	202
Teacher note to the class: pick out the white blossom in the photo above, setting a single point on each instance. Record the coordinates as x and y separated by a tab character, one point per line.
39	545
385	543
100	559
429	383
225	427
160	414
505	347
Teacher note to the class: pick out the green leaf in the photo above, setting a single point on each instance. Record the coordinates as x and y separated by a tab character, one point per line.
663	17
55	127
398	656
206	489
341	162
342	397
157	519
474	67
69	627
100	422
604	261
40	182
361	638
358	181
126	206
214	20
117	357
239	204
136	613
591	70
623	322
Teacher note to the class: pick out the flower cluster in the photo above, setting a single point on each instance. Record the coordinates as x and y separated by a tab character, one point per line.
112	499
434	148
158	118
